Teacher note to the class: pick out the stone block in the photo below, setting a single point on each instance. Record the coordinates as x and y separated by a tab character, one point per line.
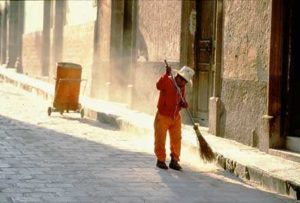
108	119
221	160
255	175
275	184
214	115
230	165
241	171
293	190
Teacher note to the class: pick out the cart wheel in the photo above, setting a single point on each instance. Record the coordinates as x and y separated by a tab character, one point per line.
49	111
82	113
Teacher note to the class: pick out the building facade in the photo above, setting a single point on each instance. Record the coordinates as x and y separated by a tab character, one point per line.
243	54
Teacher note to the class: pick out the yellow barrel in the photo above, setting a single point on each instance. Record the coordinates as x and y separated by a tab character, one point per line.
67	86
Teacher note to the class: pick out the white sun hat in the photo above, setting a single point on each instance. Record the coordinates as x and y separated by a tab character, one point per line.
187	73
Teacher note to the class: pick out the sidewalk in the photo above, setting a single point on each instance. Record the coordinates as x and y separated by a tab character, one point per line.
270	172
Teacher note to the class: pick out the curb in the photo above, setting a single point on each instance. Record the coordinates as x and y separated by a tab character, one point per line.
260	177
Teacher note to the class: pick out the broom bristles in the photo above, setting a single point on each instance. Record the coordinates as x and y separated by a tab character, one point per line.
205	150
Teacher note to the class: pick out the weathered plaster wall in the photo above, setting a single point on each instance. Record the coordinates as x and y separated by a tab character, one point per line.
32	38
100	76
246	39
78	37
145	94
244	103
245	69
158	38
32	53
159	25
105	31
80	12
78	47
33	16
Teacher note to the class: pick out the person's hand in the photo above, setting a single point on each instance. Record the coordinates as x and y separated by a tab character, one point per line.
184	104
168	70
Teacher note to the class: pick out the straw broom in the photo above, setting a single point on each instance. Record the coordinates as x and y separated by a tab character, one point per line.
205	150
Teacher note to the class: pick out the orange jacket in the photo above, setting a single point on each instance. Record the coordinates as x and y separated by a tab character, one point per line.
169	100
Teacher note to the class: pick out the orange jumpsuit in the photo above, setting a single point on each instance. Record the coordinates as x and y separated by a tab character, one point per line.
168	119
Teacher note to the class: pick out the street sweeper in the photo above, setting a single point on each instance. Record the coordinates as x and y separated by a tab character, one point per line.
171	100
167	118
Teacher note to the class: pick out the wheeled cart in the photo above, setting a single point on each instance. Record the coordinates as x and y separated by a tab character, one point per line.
67	89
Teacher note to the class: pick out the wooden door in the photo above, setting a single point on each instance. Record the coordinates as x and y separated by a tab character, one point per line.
203	45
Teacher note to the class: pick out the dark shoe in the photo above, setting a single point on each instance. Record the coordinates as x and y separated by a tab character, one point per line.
175	165
162	165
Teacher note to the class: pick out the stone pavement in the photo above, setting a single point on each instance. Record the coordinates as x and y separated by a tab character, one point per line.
67	159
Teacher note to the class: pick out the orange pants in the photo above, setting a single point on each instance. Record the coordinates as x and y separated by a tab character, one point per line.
161	125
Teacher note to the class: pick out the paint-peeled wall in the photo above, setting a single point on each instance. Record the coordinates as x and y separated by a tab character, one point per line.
246	47
158	38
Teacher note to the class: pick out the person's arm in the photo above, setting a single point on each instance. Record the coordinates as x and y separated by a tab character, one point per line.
184	103
161	82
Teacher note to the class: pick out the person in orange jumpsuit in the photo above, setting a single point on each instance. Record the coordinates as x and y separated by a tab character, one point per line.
167	118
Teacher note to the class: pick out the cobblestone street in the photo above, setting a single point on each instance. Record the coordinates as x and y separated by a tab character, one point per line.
63	158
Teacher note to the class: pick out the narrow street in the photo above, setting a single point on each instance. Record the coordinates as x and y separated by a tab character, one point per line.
63	158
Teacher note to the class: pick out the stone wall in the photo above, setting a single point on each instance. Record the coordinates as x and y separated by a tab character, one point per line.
245	69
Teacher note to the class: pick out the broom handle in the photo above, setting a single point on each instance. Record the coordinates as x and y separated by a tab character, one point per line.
179	92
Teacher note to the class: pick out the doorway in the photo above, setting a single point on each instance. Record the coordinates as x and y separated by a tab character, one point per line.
284	98
204	59
201	45
292	109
